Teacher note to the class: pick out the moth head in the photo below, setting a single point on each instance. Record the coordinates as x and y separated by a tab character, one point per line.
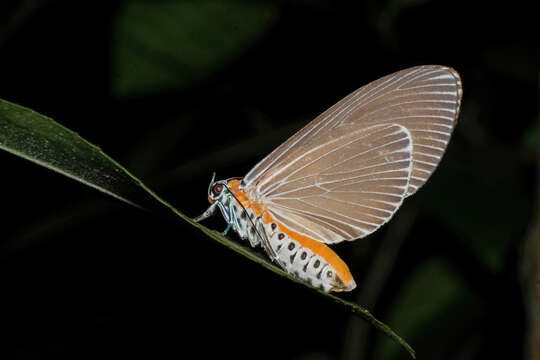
216	189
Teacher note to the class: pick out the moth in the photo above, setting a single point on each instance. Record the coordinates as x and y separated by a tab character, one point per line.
343	175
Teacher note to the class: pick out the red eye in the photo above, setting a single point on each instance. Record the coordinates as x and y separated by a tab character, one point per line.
216	190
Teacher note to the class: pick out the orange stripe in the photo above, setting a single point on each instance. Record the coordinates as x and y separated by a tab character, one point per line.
315	246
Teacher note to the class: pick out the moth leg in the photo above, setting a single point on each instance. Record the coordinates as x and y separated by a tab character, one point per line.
209	212
227	229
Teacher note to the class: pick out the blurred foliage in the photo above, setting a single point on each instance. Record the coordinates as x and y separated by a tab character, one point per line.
465	195
178	89
170	44
432	297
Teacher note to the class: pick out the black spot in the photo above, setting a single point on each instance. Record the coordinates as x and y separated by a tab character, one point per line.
308	280
273	226
316	263
303	256
292	256
319	274
329	273
281	236
244	215
305	268
321	287
252	230
291	246
279	247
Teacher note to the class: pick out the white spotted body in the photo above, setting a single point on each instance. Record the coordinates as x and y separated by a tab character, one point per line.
301	262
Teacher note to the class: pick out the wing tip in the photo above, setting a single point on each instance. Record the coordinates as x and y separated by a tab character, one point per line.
412	189
459	85
457	78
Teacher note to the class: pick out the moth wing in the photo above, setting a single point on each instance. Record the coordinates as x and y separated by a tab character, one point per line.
423	99
346	188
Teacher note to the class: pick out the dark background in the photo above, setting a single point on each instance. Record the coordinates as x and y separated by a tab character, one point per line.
174	90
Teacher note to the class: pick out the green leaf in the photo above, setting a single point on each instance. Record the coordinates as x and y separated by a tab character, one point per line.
41	140
169	44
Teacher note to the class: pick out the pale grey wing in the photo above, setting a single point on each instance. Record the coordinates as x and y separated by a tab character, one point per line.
423	99
347	187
